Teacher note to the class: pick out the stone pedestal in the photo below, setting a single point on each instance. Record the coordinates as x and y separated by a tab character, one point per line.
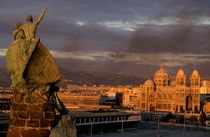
31	115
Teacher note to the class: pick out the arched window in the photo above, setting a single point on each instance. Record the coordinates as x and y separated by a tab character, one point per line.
189	103
182	81
196	109
143	95
196	82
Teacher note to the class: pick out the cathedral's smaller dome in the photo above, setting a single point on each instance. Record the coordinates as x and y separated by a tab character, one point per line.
149	83
180	72
195	73
173	83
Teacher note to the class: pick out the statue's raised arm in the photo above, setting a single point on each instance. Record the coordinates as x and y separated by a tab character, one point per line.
30	26
41	15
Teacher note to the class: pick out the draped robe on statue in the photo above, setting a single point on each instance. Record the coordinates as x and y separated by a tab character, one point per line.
31	66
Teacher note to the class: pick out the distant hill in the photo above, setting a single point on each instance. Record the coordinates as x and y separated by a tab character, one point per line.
92	77
102	78
4	77
87	77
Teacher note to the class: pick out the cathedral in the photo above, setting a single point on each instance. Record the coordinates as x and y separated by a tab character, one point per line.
161	94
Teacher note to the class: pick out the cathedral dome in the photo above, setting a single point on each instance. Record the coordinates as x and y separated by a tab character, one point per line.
149	83
161	77
195	73
161	73
180	72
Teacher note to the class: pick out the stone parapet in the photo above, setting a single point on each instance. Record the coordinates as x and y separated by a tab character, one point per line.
32	115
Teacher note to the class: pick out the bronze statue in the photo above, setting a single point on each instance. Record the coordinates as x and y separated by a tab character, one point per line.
35	78
30	64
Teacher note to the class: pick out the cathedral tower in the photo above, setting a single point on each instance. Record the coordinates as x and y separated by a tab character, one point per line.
195	79
180	78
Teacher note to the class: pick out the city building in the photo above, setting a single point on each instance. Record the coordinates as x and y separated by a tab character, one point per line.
6	95
160	94
128	97
79	97
171	96
205	88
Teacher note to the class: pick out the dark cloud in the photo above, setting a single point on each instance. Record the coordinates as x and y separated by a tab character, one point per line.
185	36
59	30
184	9
179	39
88	37
69	36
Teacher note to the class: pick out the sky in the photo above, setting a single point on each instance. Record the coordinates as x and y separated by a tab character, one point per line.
126	36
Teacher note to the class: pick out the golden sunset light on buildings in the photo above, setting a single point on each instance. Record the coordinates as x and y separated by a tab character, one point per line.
171	96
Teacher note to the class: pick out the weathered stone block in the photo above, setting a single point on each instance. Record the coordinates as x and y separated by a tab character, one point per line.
13	132
15	97
47	107
33	123
30	98
20	115
45	123
24	115
14	106
18	97
36	115
18	122
15	115
22	107
35	133
35	107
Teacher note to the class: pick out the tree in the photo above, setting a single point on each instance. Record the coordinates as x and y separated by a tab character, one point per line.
168	117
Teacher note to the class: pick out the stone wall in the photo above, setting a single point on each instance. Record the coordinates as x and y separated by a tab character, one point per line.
31	115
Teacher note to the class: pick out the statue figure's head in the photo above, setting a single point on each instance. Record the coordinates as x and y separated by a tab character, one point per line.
29	18
17	25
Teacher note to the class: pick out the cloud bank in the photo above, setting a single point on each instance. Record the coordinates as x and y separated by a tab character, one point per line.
120	35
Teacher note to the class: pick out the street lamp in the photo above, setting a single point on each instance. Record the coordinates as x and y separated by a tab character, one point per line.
91	129
184	121
158	126
158	120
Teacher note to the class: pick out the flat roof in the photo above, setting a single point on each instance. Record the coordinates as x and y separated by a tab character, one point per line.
77	114
98	114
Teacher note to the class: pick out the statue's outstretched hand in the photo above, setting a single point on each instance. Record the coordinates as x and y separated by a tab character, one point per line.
44	9
41	15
